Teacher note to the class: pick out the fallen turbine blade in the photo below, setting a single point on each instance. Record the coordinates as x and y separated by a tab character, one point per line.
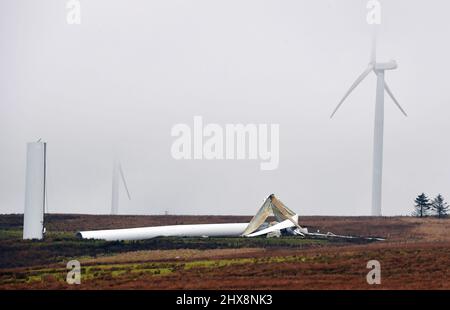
354	85
124	181
386	87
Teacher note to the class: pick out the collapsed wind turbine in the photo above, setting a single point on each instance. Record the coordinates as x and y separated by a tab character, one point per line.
117	174
379	69
286	220
286	223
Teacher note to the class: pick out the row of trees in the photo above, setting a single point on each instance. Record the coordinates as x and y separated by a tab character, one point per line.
426	207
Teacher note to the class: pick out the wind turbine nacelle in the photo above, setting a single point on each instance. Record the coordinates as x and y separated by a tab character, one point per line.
382	66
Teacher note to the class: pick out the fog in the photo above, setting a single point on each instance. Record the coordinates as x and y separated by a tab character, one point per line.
117	83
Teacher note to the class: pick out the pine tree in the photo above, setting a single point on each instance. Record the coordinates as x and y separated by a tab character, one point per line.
422	205
439	206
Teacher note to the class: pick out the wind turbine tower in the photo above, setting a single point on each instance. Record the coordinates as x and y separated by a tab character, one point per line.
35	191
379	68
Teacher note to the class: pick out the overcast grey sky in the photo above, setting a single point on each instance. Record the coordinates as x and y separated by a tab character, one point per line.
133	69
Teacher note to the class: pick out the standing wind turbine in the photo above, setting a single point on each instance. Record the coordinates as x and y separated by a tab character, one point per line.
117	170
378	68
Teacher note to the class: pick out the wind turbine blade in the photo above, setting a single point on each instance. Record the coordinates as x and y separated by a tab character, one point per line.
124	182
386	87
354	85
279	226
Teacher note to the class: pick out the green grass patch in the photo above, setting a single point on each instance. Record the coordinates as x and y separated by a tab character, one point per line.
11	234
131	270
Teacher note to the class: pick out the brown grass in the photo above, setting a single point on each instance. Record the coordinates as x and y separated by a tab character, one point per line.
172	255
416	255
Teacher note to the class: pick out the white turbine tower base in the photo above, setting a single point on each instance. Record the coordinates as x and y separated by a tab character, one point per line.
33	216
377	172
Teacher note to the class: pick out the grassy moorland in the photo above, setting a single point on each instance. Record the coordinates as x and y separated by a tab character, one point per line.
415	255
